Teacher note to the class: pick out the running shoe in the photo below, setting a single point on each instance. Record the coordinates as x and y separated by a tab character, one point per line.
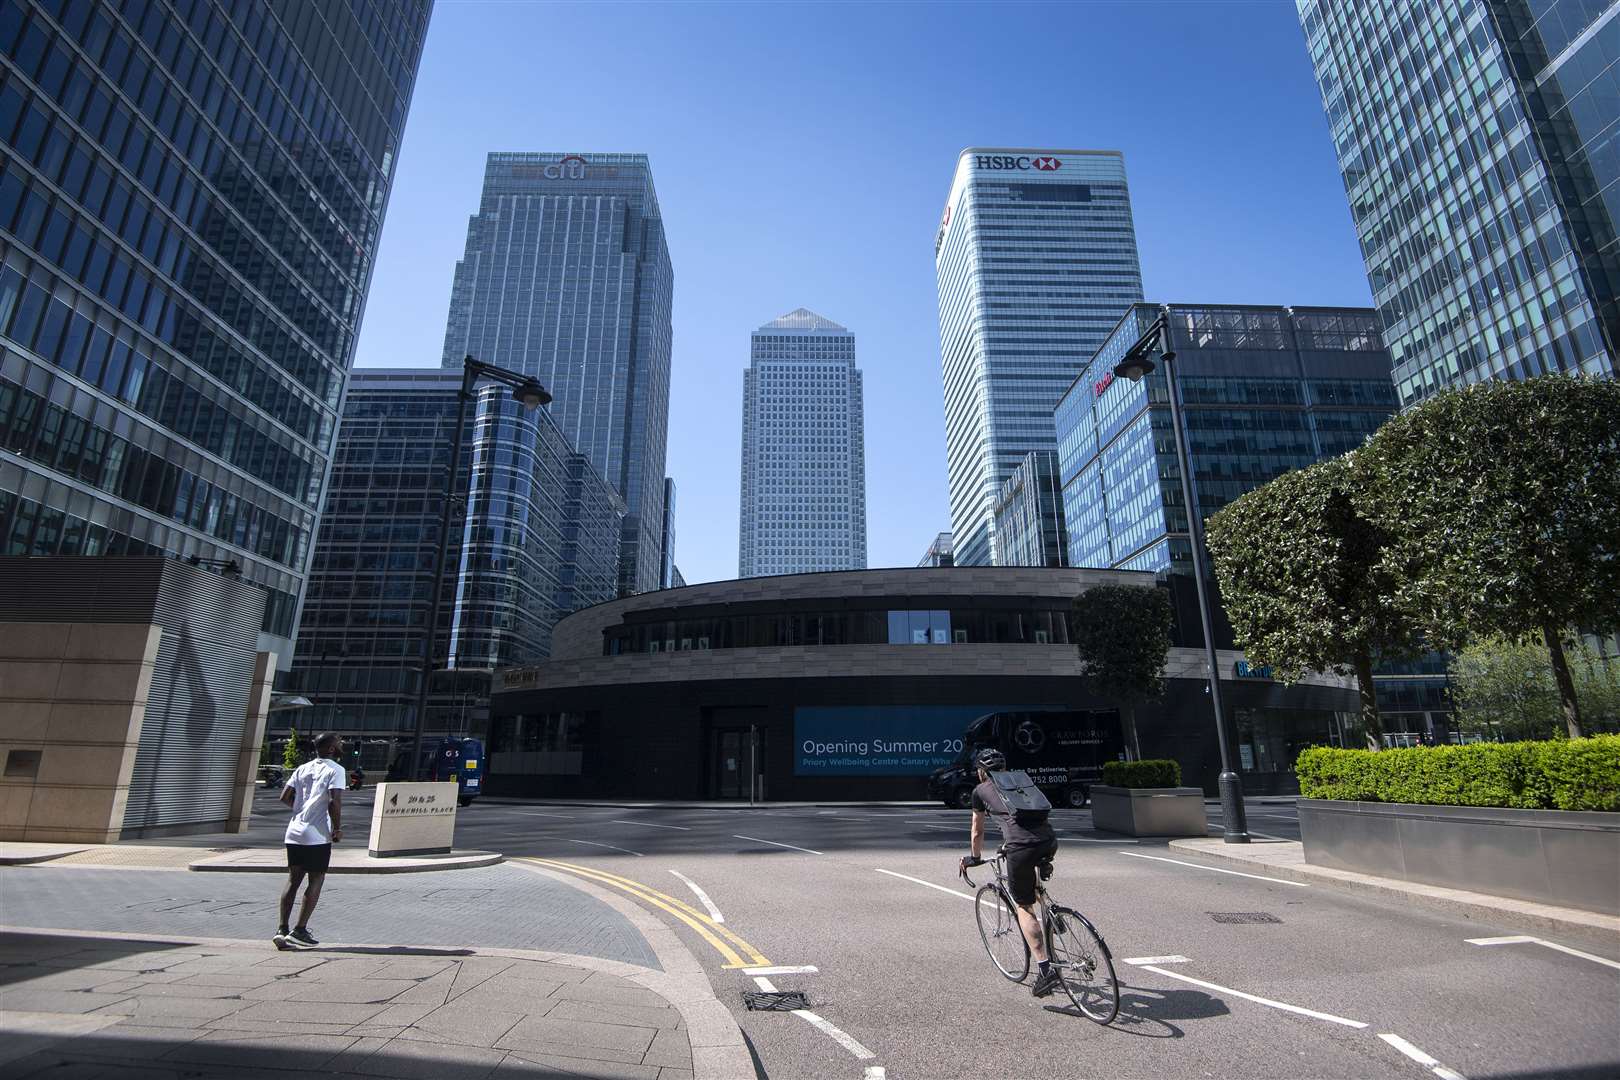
301	938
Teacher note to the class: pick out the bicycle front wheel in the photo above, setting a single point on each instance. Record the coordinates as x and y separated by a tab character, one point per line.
998	928
1083	964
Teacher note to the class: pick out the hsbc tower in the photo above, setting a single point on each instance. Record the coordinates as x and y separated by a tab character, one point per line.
1036	262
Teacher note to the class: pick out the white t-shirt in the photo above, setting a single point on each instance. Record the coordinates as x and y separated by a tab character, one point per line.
312	784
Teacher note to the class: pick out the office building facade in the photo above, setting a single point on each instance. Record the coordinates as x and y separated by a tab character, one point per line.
666	538
1029	514
1035	257
190	199
803	450
567	277
539	538
1480	147
940	553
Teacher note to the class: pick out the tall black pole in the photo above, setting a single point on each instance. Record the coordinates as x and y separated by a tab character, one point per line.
469	376
1234	821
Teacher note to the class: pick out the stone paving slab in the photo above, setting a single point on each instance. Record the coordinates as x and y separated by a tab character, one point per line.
500	906
1286	859
154	1026
345	860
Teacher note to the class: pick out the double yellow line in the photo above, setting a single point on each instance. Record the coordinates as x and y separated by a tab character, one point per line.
731	947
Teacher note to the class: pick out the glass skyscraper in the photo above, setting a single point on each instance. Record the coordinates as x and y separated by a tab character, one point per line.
539	539
1264	390
1480	146
1036	258
803	450
1030	529
191	193
567	277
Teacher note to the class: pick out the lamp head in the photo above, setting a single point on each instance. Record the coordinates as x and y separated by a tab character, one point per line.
1136	366
530	394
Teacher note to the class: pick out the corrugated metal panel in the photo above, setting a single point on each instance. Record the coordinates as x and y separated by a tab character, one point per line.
185	763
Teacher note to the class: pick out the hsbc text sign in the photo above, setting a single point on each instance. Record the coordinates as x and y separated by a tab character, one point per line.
994	162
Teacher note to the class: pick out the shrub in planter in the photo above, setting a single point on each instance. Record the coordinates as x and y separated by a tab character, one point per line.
1153	773
1569	774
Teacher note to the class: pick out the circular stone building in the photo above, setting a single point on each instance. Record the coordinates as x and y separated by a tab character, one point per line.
859	685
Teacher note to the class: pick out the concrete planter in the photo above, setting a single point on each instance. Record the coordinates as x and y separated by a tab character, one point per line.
1169	811
1561	857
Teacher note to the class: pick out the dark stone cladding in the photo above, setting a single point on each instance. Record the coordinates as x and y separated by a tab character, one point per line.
579	636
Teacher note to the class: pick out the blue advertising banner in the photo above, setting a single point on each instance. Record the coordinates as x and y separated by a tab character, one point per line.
880	740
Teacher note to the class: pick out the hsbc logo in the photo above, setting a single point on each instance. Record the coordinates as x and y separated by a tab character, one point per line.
992	162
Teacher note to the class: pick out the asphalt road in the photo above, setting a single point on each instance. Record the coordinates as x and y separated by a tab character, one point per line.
1307	984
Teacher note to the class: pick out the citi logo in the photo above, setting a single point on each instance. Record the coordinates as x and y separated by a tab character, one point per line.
571	167
1048	164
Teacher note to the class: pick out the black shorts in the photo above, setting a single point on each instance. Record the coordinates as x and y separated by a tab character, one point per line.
1021	868
310	858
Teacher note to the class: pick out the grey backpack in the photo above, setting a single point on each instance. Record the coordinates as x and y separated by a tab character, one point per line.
1021	795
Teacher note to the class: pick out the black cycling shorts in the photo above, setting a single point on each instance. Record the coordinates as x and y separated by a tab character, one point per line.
1021	870
310	858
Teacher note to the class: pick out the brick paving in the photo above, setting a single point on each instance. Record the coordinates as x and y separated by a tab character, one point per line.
82	1007
493	907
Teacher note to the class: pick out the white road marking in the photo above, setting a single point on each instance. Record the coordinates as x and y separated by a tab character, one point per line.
945	828
803	969
648	824
931	885
537	813
714	912
1089	840
1421	1058
1283	1005
1266	835
775	843
1519	939
1214	869
592	843
1139	961
874	1072
805	1014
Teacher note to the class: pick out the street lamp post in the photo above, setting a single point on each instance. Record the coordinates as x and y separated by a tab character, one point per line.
1136	366
531	395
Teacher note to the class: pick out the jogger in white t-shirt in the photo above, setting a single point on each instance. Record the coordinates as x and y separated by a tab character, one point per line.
315	793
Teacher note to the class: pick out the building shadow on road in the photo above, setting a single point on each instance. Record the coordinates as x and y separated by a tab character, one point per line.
1606	1071
1147	1013
26	956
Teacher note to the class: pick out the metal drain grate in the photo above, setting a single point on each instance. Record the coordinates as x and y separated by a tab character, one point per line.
776	1000
1243	917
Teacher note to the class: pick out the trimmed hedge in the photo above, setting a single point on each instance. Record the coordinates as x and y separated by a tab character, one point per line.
1567	774
1154	772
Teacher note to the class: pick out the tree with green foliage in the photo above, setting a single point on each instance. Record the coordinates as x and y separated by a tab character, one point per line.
1502	502
290	756
1123	634
1506	691
1303	580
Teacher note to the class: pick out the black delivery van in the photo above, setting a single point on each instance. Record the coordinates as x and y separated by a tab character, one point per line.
1063	752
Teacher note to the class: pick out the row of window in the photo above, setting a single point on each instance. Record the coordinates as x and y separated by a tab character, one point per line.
51	435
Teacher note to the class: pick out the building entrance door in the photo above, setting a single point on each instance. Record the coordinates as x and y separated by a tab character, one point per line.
737	756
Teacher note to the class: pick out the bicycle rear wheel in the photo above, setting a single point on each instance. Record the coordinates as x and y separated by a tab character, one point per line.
998	928
1083	964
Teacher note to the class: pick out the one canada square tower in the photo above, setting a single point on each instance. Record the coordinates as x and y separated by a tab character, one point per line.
566	277
1036	261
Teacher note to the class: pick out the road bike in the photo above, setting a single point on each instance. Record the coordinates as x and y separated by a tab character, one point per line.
1084	965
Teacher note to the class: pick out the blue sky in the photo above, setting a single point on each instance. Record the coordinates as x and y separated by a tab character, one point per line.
802	155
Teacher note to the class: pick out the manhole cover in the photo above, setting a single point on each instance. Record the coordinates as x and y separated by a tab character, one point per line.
1243	917
776	1000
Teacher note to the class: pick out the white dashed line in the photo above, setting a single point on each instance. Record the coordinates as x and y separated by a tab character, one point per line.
1142	961
1422	1058
803	969
931	885
1215	869
648	824
1283	1005
1522	939
874	1072
775	843
826	1027
592	843
714	912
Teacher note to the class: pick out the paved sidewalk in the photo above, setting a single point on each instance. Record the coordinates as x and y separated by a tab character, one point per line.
112	1005
1286	859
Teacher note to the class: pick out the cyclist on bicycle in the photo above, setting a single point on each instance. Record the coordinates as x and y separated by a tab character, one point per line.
1028	841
